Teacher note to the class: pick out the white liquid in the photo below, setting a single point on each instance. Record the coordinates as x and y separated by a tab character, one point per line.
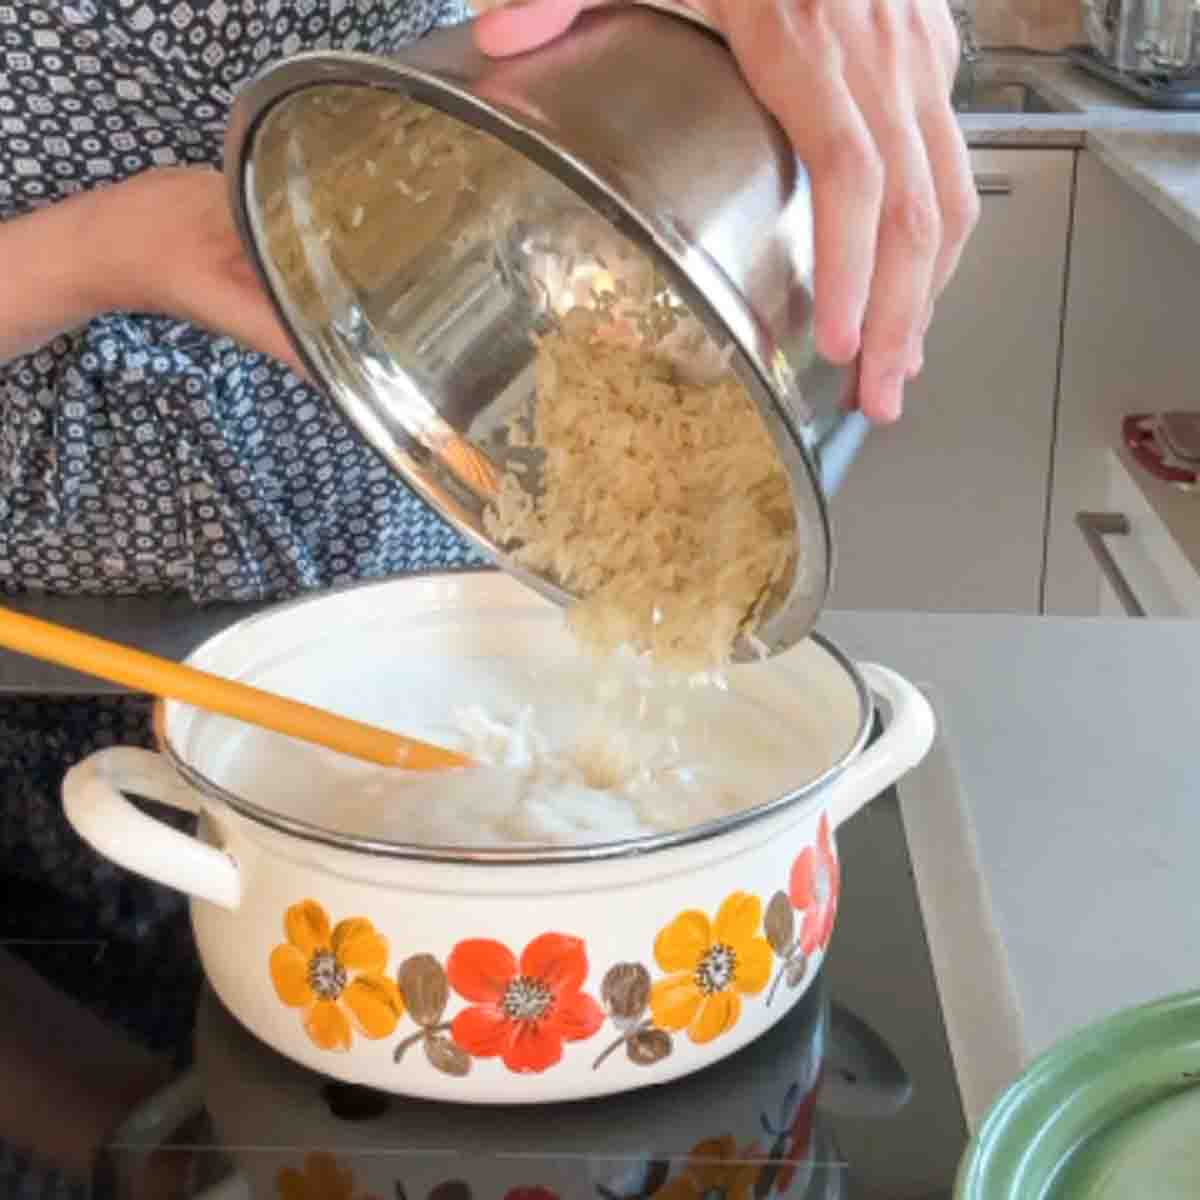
564	758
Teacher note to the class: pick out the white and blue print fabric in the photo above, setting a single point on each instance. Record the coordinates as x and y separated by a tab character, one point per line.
140	453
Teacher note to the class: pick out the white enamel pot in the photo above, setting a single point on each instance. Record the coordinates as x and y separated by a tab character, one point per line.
496	975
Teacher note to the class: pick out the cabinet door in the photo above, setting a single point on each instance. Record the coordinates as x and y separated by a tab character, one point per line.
1130	344
946	510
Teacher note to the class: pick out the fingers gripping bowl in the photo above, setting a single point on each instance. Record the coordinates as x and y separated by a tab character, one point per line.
499	972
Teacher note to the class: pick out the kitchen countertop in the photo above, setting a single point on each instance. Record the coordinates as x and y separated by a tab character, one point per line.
1070	739
1156	152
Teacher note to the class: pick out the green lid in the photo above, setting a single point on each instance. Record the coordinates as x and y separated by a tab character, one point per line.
1112	1111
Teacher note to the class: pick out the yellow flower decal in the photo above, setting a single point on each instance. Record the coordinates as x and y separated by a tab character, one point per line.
321	1179
336	976
712	964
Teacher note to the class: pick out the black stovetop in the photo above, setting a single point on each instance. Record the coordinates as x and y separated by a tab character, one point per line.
883	1120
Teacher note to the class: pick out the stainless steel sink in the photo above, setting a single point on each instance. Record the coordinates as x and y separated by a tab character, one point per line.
979	90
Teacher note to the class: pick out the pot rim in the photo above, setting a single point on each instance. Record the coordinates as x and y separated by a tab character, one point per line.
521	854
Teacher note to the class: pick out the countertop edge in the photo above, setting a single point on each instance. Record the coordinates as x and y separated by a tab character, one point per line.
1117	149
970	964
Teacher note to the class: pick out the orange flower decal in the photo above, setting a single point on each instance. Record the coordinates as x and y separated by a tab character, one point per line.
714	1171
522	1012
813	888
321	1179
712	964
336	976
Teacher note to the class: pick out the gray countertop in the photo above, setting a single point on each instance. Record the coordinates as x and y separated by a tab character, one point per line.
1073	745
1156	152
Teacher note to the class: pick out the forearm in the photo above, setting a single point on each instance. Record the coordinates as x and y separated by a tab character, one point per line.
51	273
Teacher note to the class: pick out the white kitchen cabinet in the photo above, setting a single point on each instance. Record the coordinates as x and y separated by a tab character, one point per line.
946	511
1130	344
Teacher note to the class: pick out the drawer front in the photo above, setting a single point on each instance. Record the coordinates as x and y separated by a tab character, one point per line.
1142	570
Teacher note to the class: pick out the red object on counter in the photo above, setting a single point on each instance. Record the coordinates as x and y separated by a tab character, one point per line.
1165	444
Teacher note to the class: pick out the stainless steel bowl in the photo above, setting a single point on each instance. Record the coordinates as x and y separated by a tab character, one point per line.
418	217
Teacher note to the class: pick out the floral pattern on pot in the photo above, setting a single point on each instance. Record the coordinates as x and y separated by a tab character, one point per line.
522	1011
711	965
426	992
780	927
813	888
336	977
715	1170
814	883
626	994
321	1178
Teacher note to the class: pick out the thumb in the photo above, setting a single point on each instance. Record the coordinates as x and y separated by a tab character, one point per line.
507	27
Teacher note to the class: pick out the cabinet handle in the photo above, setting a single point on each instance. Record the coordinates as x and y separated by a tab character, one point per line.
993	185
1095	527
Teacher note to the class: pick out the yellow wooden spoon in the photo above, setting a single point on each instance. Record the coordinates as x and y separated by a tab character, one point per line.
174	681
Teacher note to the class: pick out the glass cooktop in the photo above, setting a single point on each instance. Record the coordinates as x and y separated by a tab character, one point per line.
852	1095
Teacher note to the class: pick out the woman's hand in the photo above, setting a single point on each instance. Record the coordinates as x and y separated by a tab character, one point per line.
862	88
172	248
160	242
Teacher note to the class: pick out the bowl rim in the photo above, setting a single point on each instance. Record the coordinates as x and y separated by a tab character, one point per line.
1039	1090
521	854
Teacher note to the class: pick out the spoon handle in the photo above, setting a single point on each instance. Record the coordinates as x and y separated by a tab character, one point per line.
175	681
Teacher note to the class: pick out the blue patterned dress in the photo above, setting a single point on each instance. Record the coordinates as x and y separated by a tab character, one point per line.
141	454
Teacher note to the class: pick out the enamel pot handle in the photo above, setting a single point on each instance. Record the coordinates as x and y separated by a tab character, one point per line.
95	805
905	740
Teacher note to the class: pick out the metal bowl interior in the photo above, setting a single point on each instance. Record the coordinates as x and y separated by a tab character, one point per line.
418	230
374	650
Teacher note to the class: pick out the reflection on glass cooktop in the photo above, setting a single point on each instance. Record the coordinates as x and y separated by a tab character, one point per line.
851	1095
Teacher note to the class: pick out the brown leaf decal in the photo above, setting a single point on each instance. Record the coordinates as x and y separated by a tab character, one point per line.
425	989
447	1056
780	923
648	1046
795	969
625	991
